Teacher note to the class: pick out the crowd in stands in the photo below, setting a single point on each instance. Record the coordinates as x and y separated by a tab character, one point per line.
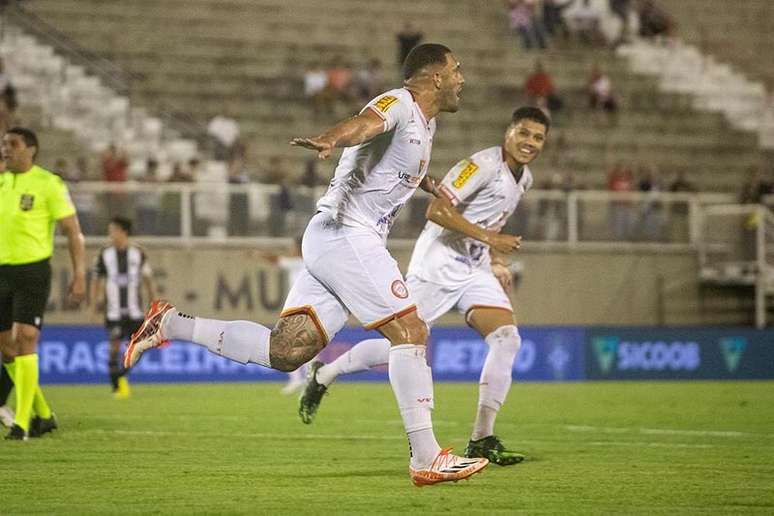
537	23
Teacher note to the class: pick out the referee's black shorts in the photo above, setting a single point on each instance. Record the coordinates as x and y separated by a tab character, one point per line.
24	291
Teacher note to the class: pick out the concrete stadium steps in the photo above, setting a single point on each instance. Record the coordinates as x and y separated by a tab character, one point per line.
734	32
203	57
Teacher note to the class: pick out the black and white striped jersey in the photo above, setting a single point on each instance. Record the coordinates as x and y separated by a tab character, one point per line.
123	271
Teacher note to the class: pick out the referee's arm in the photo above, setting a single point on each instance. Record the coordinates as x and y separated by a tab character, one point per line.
72	230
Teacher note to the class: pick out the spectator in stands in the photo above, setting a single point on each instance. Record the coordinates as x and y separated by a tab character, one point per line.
552	212
523	20
281	203
678	222
540	92
586	20
194	168
115	165
369	81
756	187
620	180
148	204
223	132
310	178
315	89
340	82
408	38
600	91
553	18
238	202
651	213
654	21
621	9
681	184
180	174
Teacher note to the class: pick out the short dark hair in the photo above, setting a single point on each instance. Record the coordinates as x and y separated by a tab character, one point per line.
123	223
531	113
28	135
422	56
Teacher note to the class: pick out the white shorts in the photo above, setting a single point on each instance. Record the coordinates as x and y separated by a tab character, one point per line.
480	290
347	270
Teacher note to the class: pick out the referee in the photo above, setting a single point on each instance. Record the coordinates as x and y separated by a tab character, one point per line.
121	270
32	201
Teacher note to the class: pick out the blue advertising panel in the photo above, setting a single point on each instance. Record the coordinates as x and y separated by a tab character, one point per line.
79	354
679	353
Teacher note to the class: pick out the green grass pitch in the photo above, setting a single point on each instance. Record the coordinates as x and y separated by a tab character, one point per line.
593	448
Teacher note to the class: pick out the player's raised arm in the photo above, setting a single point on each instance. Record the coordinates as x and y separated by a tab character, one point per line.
352	131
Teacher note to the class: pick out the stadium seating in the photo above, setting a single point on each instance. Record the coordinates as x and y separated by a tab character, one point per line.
242	57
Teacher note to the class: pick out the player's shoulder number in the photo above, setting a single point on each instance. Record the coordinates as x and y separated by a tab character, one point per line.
467	171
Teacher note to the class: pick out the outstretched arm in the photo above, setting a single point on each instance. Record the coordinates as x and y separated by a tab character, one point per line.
444	214
352	131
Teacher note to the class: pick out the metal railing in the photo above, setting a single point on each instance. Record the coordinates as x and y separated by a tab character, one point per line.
219	213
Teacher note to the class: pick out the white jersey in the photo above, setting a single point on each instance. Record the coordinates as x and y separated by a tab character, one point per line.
486	193
374	179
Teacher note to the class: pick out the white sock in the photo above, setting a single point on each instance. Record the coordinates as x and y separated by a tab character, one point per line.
298	375
241	341
363	356
178	326
504	344
412	383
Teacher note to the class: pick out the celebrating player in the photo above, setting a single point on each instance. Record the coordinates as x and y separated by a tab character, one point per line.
347	266
451	267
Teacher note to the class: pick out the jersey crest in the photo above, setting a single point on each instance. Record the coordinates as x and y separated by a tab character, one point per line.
26	202
464	175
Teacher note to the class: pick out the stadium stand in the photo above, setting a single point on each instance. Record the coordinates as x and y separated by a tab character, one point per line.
201	58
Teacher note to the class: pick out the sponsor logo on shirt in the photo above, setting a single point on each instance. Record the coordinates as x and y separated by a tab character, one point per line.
464	175
26	202
385	103
415	141
399	289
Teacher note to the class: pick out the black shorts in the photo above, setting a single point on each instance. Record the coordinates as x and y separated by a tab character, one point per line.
123	328
24	291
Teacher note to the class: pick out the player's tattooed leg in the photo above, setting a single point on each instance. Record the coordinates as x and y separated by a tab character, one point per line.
294	341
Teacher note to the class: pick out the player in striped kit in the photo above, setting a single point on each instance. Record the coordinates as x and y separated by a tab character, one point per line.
121	270
453	266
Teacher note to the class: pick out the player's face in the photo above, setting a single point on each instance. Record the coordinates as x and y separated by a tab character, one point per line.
116	235
451	84
18	157
524	140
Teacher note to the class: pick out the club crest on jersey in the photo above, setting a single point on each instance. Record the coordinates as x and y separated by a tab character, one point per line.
26	202
399	289
385	103
464	175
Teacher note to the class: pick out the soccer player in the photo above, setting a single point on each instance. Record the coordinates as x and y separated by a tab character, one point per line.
451	268
121	270
347	266
32	202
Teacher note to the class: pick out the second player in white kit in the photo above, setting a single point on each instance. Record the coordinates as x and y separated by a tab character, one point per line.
452	267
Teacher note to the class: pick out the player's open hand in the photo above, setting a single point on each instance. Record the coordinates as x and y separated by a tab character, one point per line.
505	244
323	147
